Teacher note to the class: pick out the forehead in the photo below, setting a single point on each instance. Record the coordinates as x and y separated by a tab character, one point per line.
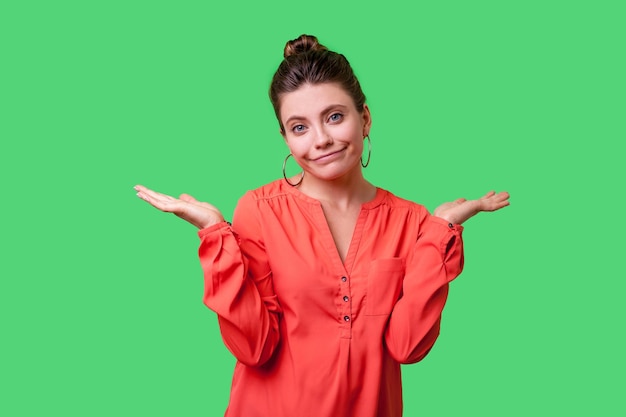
311	99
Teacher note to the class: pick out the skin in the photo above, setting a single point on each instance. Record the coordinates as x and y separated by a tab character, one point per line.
324	132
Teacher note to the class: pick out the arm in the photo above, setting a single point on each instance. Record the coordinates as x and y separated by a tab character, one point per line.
238	285
435	261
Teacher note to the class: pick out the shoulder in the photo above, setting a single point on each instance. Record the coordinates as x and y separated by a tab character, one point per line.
269	193
397	217
394	202
250	206
397	212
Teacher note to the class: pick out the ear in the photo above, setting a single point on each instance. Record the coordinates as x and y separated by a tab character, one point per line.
367	120
281	130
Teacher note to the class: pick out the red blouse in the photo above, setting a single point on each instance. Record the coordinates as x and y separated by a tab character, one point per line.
315	336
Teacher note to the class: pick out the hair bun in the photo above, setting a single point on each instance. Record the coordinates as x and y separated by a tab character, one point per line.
303	43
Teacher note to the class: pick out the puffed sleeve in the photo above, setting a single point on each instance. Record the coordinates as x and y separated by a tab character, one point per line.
238	285
435	261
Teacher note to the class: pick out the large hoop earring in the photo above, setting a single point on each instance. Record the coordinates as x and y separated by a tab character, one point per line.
369	152
285	175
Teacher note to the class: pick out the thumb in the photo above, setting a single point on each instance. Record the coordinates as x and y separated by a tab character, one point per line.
188	198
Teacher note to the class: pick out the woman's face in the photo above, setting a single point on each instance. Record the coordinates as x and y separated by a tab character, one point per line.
323	129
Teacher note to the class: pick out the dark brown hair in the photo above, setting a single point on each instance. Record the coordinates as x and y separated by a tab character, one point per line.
308	61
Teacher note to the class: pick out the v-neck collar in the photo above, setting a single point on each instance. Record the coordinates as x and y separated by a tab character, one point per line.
324	229
377	200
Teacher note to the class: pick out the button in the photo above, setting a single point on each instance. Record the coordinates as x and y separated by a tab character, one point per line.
450	225
344	279
345	298
346	318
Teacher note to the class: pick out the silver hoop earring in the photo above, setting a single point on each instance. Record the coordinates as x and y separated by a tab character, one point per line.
285	175
369	152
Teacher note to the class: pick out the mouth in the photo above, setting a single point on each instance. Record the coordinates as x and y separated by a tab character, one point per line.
328	155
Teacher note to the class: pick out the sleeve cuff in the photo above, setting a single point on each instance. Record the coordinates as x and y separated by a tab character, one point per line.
214	227
445	223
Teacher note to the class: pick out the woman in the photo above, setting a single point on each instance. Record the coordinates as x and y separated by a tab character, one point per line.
325	284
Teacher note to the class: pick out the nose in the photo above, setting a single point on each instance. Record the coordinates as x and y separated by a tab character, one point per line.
323	138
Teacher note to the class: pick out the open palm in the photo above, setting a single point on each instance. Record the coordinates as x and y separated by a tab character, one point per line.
186	207
458	211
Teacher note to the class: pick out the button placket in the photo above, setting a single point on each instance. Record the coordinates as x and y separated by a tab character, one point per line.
346	310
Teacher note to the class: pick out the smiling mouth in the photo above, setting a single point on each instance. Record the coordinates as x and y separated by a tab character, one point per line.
328	155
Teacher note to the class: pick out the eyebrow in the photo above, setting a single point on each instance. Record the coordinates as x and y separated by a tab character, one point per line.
324	111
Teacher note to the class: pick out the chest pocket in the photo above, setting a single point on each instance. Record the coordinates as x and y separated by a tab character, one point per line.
384	285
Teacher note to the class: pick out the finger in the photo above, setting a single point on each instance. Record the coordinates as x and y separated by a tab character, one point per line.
489	194
143	190
188	198
498	202
160	201
169	206
501	196
156	202
155	195
499	205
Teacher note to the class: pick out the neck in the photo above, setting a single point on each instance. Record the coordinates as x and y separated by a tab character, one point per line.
341	193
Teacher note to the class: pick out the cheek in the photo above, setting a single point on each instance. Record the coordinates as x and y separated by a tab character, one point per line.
296	148
349	133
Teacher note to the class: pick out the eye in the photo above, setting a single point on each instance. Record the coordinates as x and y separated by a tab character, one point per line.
335	117
298	129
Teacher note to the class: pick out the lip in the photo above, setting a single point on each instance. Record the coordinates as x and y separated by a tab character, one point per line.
328	156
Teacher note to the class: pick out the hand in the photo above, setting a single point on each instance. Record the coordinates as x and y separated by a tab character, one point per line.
458	211
186	207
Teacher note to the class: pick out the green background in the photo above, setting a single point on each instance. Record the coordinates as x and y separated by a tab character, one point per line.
101	295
